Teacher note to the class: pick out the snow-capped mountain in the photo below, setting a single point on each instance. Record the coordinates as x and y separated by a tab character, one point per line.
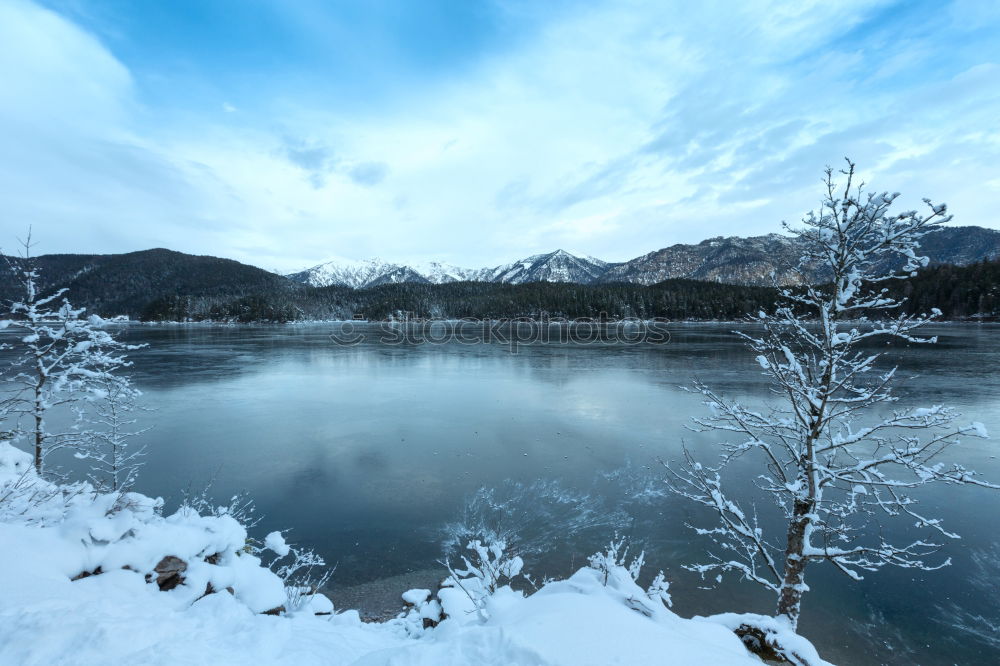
437	272
734	260
558	266
739	260
356	274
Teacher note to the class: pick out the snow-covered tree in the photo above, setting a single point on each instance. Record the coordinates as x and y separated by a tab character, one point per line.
65	358
834	452
108	412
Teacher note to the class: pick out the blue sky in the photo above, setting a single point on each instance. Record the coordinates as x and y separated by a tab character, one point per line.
286	133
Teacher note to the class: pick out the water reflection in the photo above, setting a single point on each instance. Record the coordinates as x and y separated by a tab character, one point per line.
367	451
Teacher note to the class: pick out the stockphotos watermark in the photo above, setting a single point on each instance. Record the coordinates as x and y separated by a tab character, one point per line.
511	333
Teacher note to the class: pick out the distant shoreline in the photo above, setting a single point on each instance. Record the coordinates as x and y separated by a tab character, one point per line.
311	322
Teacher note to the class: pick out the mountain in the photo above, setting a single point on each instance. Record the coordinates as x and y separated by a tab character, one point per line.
437	272
733	259
161	285
961	246
356	274
134	282
558	266
752	260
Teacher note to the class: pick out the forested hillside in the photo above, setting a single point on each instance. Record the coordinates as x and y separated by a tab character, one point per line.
145	284
958	291
675	299
161	285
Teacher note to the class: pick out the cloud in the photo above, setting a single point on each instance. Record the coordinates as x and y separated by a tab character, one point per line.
614	129
74	164
368	173
316	160
319	162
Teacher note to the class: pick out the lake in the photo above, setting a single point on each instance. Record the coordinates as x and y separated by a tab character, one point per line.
368	451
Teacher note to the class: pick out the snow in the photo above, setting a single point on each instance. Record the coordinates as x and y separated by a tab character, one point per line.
578	621
775	628
416	596
558	266
347	273
118	613
13	462
276	543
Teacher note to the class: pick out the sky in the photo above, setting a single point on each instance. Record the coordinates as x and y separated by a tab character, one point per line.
475	132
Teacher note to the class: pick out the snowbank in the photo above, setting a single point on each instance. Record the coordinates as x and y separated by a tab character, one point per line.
86	579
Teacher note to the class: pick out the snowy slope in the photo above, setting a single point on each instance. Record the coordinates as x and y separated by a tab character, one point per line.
437	272
356	274
734	259
52	612
558	266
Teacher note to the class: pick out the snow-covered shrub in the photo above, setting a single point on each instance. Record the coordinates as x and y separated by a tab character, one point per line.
241	506
185	554
300	569
613	568
614	556
423	612
532	519
182	588
25	497
489	568
660	589
297	568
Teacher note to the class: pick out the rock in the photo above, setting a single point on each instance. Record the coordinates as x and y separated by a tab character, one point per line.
764	644
169	572
209	589
87	574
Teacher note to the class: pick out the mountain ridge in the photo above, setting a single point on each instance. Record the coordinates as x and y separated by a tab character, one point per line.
163	285
737	260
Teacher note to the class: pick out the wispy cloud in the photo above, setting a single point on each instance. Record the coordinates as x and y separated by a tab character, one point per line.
613	129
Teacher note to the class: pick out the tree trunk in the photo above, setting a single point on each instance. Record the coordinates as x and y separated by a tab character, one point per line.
39	413
793	584
39	436
38	446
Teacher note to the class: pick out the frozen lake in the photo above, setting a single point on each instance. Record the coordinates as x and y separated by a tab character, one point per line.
366	451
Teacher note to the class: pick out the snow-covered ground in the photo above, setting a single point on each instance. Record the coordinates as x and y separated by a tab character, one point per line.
206	603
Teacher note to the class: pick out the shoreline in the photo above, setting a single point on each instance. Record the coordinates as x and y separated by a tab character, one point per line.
367	322
381	599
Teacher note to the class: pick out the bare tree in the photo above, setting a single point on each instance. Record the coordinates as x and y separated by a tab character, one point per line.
834	454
